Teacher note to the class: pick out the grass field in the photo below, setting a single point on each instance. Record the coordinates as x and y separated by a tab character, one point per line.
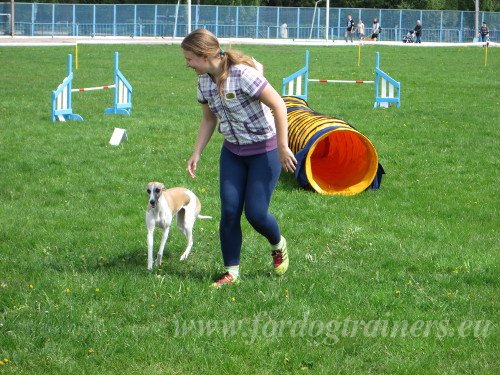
401	280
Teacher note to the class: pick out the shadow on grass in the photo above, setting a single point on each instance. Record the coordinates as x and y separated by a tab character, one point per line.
131	261
198	267
135	261
288	181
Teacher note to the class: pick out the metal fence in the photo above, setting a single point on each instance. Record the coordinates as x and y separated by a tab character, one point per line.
38	19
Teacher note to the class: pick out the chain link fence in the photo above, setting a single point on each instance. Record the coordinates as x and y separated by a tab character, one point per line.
37	19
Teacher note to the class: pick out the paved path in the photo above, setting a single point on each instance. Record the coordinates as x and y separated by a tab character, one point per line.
63	41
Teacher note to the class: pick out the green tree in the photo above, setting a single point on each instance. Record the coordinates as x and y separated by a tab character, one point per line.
485	5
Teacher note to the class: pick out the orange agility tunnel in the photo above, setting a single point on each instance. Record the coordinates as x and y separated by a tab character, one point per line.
333	157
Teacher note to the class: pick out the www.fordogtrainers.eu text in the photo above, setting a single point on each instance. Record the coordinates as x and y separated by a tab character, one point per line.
263	326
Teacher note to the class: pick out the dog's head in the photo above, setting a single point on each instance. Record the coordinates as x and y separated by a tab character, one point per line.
154	191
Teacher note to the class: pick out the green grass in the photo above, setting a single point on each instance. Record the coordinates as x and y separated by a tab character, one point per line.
419	256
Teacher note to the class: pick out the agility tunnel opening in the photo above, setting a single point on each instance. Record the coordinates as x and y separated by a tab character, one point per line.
333	157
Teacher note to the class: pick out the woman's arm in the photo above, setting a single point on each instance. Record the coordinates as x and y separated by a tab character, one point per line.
207	127
270	97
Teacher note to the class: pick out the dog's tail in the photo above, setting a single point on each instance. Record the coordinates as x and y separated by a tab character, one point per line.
204	217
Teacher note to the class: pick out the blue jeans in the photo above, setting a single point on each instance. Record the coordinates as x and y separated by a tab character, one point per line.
246	182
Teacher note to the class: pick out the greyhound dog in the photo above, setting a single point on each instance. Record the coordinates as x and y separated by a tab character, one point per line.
164	204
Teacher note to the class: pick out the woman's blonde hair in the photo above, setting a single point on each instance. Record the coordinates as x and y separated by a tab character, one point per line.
203	43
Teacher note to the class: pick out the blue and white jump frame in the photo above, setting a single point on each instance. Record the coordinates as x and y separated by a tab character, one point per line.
387	89
293	84
62	97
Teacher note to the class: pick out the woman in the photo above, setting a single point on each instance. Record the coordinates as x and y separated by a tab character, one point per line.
235	95
376	29
361	29
349	28
484	32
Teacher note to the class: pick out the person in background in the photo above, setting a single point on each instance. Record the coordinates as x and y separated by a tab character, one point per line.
361	29
484	32
375	30
418	32
350	28
284	31
252	117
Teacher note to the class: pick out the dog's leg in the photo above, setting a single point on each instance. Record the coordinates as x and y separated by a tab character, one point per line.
189	236
150	247
162	246
186	223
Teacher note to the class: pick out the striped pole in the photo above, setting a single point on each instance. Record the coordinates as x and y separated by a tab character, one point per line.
93	88
339	81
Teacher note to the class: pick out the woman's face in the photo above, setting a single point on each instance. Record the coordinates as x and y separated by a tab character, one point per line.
200	64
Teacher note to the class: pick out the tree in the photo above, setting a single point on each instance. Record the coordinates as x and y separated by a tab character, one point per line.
486	5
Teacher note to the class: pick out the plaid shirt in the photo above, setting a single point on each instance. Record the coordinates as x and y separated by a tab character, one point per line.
243	119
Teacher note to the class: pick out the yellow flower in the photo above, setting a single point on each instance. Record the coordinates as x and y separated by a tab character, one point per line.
452	294
31	286
397	293
97	290
67	290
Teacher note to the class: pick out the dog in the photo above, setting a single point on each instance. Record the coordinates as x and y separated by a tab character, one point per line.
164	204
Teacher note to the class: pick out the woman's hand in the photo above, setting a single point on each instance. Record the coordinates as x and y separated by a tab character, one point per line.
207	127
273	100
287	159
192	163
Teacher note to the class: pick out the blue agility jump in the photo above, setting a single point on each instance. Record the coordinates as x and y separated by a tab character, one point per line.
387	89
62	97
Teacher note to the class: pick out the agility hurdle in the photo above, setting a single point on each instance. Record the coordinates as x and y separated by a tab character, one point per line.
386	91
62	97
